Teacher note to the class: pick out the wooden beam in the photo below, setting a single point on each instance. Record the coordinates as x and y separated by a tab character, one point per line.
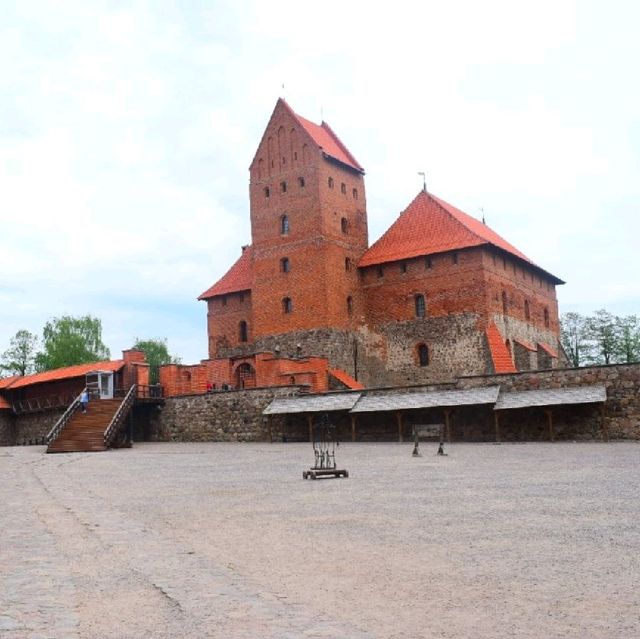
549	414
447	423
399	420
310	423
269	427
605	427
353	427
496	418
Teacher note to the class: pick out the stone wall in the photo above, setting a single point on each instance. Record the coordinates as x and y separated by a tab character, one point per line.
33	427
224	416
7	433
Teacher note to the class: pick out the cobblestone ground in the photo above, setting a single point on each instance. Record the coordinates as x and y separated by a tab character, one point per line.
228	540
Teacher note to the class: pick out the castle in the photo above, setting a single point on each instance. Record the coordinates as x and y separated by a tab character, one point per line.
438	296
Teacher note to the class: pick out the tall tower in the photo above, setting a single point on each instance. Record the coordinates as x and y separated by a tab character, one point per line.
308	227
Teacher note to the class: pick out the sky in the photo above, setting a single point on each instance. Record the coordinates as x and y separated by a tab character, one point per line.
127	130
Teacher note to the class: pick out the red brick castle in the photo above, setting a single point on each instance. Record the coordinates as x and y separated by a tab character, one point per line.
439	295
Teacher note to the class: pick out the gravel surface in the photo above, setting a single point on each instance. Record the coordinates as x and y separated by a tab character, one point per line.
228	540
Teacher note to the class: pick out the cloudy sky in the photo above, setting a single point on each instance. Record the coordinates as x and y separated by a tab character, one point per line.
127	129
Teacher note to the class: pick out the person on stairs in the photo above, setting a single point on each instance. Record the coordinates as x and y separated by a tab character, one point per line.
84	400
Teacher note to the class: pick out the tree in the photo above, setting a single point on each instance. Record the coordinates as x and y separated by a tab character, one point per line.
157	353
602	332
573	336
19	358
71	340
628	344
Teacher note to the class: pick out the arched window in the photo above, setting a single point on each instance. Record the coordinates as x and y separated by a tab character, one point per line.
504	303
350	305
243	332
344	225
527	312
285	265
301	182
287	305
546	317
292	380
330	182
267	192
423	354
283	187
420	306
347	263
284	225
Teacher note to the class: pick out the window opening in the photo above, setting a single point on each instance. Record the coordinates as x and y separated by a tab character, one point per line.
527	314
504	303
423	355
403	267
287	305
546	317
343	188
284	225
285	265
344	225
355	194
243	331
349	305
330	182
380	271
283	187
420	306
428	262
301	182
347	264
267	192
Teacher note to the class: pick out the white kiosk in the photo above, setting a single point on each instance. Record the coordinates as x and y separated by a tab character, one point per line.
100	384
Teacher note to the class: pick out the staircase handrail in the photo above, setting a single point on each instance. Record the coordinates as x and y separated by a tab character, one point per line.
116	421
58	427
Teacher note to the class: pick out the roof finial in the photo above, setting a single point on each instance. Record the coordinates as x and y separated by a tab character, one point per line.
424	180
482	211
283	89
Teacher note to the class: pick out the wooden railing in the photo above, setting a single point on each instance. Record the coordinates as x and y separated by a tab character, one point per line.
119	416
64	419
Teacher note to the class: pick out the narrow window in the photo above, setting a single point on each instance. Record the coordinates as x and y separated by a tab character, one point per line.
283	187
546	317
301	182
224	300
355	194
292	380
454	258
344	225
423	355
420	306
241	297
347	264
284	265
504	264
287	305
504	303
343	188
380	271
428	262
330	182
284	225
403	267
243	331
527	313
350	305
267	192
284	160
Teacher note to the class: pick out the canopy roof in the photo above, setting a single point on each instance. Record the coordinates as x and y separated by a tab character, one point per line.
312	403
552	397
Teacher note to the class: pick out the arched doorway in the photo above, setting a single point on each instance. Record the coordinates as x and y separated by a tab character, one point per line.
245	376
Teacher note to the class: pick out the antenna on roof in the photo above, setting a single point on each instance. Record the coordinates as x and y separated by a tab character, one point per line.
482	211
424	180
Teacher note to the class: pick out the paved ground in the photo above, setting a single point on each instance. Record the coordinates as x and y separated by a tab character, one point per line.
227	540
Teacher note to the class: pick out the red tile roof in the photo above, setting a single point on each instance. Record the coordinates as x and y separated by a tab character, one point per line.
326	139
547	349
431	225
237	278
500	356
7	381
65	373
346	379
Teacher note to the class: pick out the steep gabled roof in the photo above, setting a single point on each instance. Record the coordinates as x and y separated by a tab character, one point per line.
68	372
322	136
430	225
500	356
237	278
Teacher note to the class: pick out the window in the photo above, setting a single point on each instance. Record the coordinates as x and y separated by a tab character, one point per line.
527	313
285	265
284	160
380	271
347	264
343	188
355	194
350	305
241	296
284	225
504	263
267	192
287	305
243	333
428	262
224	300
504	303
301	182
454	258
283	187
344	225
546	317
403	267
423	354
420	305
330	182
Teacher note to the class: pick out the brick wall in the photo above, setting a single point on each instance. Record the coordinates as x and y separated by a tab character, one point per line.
177	379
225	312
7	433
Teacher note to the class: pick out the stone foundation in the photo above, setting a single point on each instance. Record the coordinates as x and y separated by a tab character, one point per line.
7	433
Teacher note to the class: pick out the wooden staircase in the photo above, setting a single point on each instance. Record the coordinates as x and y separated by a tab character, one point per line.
85	431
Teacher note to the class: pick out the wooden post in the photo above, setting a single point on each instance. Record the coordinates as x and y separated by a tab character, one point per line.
310	423
605	428
496	417
399	420
447	424
549	413
353	427
270	429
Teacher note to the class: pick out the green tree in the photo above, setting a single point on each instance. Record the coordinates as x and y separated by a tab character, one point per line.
628	344
19	358
574	337
602	332
71	340
157	353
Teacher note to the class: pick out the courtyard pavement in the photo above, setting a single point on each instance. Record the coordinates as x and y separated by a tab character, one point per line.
227	540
